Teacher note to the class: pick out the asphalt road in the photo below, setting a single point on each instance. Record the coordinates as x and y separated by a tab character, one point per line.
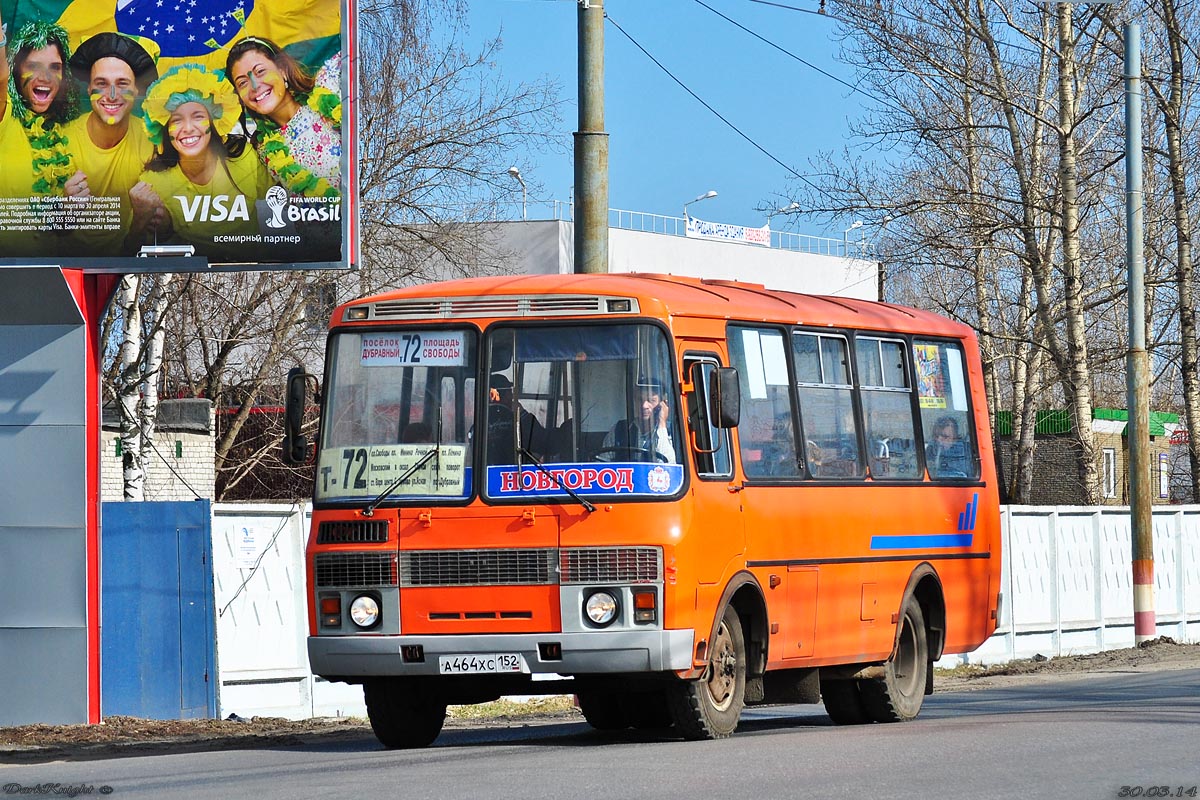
1080	737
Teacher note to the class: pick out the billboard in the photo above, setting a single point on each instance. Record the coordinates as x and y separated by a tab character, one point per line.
219	129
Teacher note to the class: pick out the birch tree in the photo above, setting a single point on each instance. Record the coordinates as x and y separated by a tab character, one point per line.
1173	105
133	379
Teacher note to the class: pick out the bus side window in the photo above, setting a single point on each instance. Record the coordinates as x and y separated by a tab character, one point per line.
827	405
887	408
766	433
951	450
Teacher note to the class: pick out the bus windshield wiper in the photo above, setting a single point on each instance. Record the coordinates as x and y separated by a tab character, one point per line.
583	501
369	511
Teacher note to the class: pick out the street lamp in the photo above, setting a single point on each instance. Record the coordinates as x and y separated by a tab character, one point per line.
516	174
858	223
789	208
705	196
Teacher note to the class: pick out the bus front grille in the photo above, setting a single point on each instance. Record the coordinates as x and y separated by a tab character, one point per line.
355	569
500	567
611	565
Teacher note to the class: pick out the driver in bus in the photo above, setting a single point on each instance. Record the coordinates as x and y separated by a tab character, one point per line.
651	432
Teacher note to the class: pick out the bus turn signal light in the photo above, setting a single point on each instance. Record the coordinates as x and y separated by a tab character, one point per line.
331	612
645	606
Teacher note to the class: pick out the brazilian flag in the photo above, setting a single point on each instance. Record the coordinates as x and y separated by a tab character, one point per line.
194	31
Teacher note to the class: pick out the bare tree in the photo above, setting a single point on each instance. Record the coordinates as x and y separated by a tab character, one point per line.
439	128
993	121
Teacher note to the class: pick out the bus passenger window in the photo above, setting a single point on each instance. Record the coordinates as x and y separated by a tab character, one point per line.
951	450
766	432
827	405
887	408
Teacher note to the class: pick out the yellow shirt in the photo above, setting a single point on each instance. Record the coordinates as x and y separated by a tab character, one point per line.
110	172
16	185
225	206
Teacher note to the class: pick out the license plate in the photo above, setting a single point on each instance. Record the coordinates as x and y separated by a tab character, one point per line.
484	662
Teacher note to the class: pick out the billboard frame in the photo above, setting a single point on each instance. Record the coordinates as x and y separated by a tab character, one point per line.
146	263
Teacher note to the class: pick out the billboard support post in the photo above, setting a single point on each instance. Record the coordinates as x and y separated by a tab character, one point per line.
71	226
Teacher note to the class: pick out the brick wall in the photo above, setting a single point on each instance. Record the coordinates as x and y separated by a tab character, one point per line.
181	465
1056	476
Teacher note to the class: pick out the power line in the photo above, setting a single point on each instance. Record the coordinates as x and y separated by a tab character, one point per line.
702	102
818	13
893	13
787	52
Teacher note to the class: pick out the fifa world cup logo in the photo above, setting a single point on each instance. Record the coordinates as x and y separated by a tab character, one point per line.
277	200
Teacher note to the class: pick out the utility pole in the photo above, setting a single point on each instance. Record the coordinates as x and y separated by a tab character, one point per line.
1137	366
591	145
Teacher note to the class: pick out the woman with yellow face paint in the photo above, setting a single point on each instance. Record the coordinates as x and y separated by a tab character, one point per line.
39	97
297	118
207	181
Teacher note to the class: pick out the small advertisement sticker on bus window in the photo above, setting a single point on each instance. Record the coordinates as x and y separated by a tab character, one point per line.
414	349
930	385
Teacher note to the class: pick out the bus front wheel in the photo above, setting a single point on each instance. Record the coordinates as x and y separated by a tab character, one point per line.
709	708
897	696
403	716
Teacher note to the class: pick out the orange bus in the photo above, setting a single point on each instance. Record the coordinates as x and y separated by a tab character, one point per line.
669	497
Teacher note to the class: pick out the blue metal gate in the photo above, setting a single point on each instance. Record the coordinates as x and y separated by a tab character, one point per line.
157	638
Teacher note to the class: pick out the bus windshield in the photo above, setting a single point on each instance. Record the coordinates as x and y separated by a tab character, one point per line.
596	402
392	397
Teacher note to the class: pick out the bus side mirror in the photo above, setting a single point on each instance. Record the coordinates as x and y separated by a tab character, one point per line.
725	397
295	443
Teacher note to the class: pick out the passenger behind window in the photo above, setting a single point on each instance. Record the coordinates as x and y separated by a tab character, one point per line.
946	456
533	434
779	456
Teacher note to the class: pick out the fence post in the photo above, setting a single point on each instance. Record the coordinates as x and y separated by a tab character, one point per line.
1056	583
1098	576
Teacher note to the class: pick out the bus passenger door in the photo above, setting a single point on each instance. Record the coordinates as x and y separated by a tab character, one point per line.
717	533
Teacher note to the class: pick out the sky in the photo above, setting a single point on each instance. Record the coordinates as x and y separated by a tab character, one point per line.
665	147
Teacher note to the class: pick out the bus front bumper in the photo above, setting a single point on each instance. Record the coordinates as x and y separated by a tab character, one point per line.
586	652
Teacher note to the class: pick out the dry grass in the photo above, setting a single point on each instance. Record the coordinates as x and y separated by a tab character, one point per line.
511	709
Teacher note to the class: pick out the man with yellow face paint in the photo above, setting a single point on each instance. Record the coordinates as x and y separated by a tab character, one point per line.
109	144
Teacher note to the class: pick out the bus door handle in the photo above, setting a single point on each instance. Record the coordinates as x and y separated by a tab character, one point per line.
734	488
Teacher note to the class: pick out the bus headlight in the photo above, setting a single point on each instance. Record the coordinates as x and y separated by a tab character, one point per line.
364	611
600	607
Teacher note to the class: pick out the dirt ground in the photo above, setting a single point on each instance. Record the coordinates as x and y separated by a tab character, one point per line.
117	735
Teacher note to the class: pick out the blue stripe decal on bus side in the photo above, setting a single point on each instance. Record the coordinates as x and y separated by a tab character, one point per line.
914	542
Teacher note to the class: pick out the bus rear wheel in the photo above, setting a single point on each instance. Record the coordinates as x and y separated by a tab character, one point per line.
843	702
604	711
898	695
709	708
616	711
402	715
648	710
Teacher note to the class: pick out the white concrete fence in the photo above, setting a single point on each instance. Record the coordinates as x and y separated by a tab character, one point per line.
1066	579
